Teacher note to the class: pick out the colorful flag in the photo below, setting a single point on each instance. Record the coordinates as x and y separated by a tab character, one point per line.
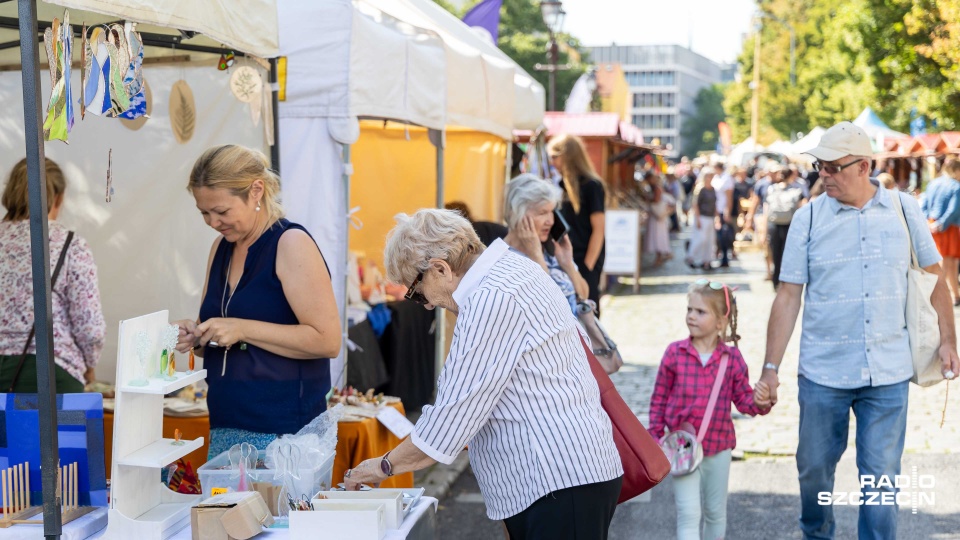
485	15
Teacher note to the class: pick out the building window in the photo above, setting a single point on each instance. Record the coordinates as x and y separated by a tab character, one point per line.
654	99
651	78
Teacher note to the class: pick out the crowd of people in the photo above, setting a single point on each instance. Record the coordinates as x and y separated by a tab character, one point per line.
516	388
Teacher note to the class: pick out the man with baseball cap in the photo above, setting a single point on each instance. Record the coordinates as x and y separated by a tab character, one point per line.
851	251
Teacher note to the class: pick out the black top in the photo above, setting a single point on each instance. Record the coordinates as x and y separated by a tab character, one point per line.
489	231
591	201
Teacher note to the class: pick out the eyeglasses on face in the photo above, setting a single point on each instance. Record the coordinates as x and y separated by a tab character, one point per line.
413	294
832	169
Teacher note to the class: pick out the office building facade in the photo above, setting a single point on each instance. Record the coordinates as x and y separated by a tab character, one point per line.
664	81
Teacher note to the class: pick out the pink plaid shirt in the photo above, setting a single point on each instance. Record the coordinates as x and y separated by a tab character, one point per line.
683	390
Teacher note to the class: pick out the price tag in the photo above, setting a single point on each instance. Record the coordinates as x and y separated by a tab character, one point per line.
395	422
217	491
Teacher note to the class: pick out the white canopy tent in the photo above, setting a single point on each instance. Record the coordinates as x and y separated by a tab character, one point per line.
403	60
214	19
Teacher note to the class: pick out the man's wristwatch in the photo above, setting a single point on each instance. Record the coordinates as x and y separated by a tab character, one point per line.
775	368
385	466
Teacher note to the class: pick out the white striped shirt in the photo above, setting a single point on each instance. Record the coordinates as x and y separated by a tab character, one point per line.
517	388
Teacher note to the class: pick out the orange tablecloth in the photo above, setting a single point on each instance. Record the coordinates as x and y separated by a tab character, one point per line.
356	441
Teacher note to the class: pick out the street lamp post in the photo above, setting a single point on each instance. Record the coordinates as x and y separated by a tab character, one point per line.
553	15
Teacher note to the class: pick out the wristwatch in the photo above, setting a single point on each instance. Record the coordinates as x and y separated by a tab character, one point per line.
775	368
385	466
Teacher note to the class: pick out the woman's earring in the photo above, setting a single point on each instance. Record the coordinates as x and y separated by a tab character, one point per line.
258	206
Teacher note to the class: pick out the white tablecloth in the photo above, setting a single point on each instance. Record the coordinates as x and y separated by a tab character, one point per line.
420	524
78	529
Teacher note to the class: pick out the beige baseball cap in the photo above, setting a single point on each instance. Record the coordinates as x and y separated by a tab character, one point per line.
843	139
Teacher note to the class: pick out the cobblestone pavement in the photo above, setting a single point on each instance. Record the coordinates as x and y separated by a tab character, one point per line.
644	324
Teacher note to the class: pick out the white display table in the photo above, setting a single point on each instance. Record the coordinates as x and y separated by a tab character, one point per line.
420	524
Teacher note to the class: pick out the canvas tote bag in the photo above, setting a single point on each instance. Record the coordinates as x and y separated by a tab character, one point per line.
923	323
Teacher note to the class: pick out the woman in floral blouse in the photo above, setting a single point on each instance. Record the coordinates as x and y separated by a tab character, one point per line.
78	325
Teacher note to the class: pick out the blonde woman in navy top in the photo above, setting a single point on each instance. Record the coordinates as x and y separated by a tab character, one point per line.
268	321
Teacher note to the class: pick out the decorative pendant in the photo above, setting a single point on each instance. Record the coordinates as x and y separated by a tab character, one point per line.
246	84
226	61
109	196
183	111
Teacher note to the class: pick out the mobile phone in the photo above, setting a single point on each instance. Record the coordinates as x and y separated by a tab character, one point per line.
560	226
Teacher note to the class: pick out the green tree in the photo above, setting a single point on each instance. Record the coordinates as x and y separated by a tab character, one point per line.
699	131
525	39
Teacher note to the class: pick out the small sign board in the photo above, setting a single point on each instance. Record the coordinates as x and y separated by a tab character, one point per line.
622	243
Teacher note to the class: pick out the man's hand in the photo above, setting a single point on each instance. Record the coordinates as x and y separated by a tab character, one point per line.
949	362
771	381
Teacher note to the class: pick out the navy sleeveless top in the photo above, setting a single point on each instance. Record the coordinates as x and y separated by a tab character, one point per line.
258	390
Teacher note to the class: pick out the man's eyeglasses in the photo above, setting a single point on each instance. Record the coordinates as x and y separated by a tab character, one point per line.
832	169
717	286
413	294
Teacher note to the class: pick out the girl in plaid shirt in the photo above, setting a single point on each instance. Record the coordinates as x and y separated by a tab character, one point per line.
682	391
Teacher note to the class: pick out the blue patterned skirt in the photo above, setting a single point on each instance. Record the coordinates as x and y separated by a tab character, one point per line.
221	439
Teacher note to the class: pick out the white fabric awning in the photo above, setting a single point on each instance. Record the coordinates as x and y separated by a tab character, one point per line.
245	25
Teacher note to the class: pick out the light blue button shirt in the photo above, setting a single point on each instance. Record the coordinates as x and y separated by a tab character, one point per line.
855	267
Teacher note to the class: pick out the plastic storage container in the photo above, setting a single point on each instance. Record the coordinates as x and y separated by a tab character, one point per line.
311	480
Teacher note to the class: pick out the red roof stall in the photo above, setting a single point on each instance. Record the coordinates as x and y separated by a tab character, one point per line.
614	146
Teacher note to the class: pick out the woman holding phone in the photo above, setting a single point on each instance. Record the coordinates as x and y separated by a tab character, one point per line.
530	209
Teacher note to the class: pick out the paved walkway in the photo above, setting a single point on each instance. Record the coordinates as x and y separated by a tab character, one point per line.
643	325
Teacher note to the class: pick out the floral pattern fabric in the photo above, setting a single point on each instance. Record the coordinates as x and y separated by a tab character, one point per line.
78	325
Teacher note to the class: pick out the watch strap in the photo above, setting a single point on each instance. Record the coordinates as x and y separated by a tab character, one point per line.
775	368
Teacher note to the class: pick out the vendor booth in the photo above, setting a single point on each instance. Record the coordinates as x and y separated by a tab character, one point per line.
342	62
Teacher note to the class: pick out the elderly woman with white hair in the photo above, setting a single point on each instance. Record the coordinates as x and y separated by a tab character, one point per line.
516	386
529	205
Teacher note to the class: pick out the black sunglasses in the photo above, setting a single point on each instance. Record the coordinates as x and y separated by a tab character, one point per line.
415	295
832	169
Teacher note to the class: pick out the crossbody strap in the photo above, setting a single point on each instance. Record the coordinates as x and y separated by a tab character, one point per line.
33	329
713	397
903	220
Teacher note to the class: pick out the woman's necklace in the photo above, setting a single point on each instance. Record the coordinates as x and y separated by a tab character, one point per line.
224	306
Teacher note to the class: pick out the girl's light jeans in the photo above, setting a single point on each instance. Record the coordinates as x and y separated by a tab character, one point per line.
709	484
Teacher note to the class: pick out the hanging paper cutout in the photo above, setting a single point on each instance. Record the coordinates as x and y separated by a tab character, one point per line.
58	40
246	83
183	111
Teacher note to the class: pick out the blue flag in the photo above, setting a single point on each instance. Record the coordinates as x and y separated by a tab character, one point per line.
485	15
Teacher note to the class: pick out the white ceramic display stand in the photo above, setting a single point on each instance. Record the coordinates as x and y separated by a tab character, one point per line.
141	507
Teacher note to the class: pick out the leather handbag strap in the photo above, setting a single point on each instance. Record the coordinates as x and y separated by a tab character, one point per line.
713	397
33	329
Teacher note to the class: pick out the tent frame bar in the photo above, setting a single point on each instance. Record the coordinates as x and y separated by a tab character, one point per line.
40	263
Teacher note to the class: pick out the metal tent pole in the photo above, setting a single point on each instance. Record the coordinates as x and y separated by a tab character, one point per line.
347	173
438	137
275	103
40	261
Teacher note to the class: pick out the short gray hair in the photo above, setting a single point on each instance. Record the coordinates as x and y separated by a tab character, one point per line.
431	233
525	191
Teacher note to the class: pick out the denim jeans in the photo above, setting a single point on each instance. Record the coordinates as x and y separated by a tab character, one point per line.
881	413
708	484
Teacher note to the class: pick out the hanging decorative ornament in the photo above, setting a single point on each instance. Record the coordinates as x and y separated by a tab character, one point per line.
245	83
139	121
256	106
84	68
109	196
97	88
119	51
58	40
183	111
133	80
226	61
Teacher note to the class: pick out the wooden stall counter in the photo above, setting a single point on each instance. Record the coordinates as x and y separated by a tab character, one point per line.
356	442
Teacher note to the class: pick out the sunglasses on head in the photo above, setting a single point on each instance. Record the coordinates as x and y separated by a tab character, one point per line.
832	169
413	294
717	286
